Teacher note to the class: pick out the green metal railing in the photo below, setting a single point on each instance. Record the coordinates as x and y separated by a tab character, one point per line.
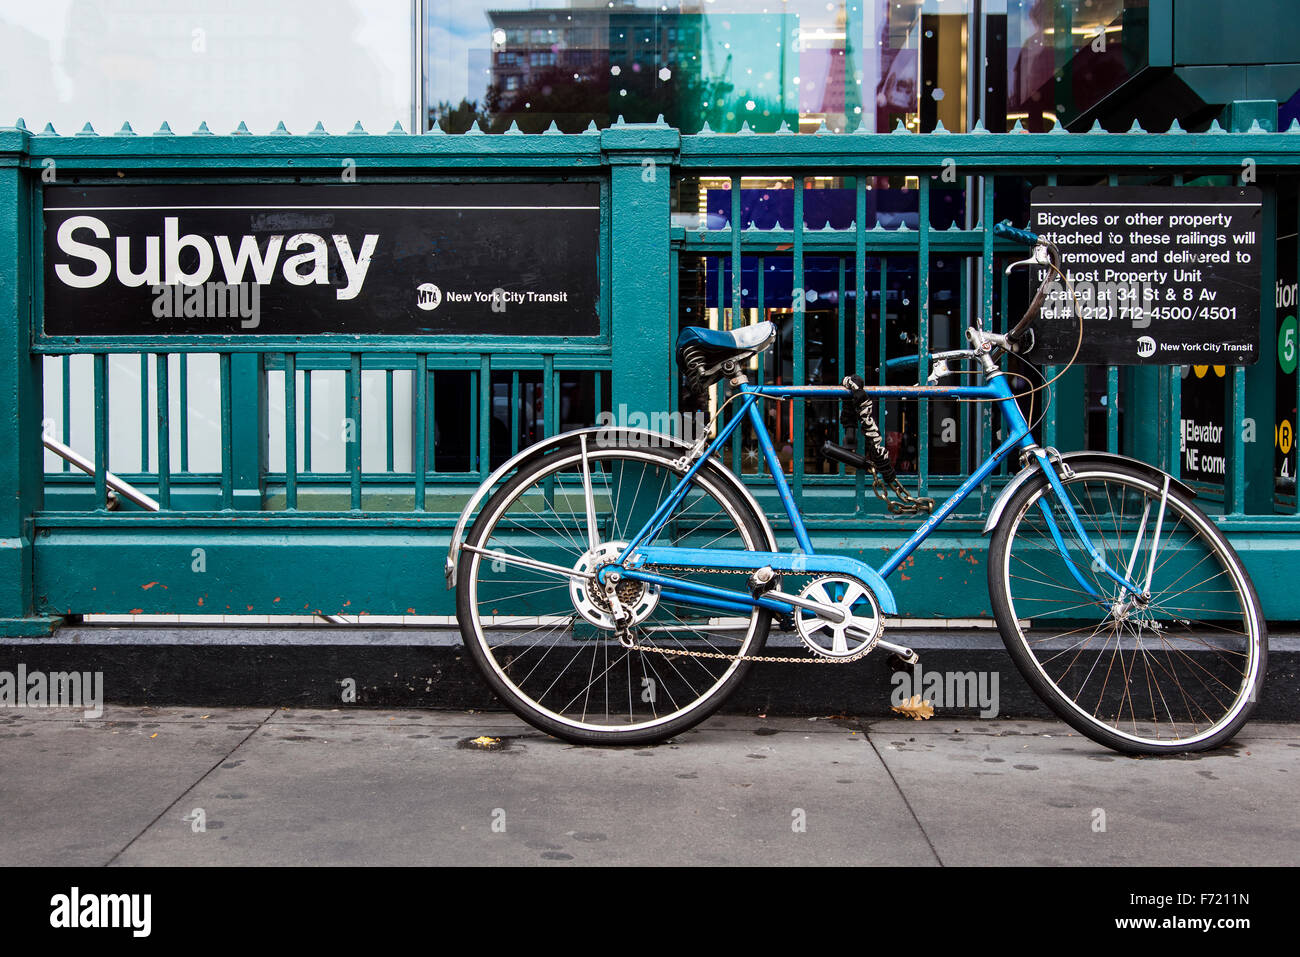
251	539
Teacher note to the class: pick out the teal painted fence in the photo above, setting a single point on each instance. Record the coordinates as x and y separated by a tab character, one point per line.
246	538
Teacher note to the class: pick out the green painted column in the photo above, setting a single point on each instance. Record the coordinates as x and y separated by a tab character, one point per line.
640	157
1261	378
20	391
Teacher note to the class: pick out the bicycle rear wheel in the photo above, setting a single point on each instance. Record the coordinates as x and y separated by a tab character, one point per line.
539	628
1179	671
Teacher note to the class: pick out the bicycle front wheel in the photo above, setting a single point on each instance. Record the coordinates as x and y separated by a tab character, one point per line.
1179	670
541	630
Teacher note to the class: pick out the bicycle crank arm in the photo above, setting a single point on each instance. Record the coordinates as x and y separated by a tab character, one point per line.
907	654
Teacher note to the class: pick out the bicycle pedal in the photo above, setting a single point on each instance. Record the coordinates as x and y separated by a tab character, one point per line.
762	580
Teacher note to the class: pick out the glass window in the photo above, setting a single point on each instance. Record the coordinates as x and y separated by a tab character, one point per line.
216	61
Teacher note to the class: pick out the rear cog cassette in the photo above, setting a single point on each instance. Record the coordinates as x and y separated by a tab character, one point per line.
854	636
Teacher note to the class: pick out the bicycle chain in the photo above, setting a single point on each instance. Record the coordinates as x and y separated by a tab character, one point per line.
778	659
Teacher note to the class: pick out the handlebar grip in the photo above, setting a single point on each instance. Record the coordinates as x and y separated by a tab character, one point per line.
1006	230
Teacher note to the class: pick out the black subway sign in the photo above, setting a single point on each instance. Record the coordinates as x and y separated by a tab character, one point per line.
1161	275
365	259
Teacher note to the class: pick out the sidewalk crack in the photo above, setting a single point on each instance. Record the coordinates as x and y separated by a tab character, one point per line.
906	802
202	777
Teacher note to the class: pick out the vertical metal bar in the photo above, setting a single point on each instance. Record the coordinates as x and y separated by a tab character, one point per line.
144	412
963	408
923	333
800	351
101	430
514	409
388	419
354	414
737	304
485	415
984	417
290	430
549	413
860	315
185	412
761	292
419	450
306	420
227	436
66	384
736	298
1236	503
162	424
839	338
1112	409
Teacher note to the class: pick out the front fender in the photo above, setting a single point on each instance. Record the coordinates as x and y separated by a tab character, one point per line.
1075	458
634	438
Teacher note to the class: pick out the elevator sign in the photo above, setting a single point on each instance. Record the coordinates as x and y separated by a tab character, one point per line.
1160	275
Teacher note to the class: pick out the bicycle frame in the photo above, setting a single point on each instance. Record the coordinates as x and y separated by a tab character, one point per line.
803	559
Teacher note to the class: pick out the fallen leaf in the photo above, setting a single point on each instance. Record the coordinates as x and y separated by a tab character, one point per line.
915	707
483	741
154	735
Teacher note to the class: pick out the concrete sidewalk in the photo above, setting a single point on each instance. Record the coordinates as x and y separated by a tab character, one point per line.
279	786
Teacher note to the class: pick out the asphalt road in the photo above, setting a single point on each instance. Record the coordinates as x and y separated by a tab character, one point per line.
255	786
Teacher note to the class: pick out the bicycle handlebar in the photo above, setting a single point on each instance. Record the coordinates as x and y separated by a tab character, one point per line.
1007	231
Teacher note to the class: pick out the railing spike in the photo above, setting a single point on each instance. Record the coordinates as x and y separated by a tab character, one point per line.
126	130
1018	128
900	128
1136	127
49	130
939	127
319	129
821	128
1215	127
1176	127
1255	127
1058	128
620	121
1096	127
435	129
1295	126
241	129
513	129
660	121
475	129
552	128
357	130
87	130
744	127
706	129
20	124
979	127
397	129
784	127
280	129
164	129
202	130
592	127
862	125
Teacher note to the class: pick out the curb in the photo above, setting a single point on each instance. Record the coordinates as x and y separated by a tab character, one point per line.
408	667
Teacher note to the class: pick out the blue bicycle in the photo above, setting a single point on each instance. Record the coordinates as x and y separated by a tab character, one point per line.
619	584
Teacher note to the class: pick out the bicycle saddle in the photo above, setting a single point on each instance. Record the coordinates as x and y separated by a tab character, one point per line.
720	343
703	353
